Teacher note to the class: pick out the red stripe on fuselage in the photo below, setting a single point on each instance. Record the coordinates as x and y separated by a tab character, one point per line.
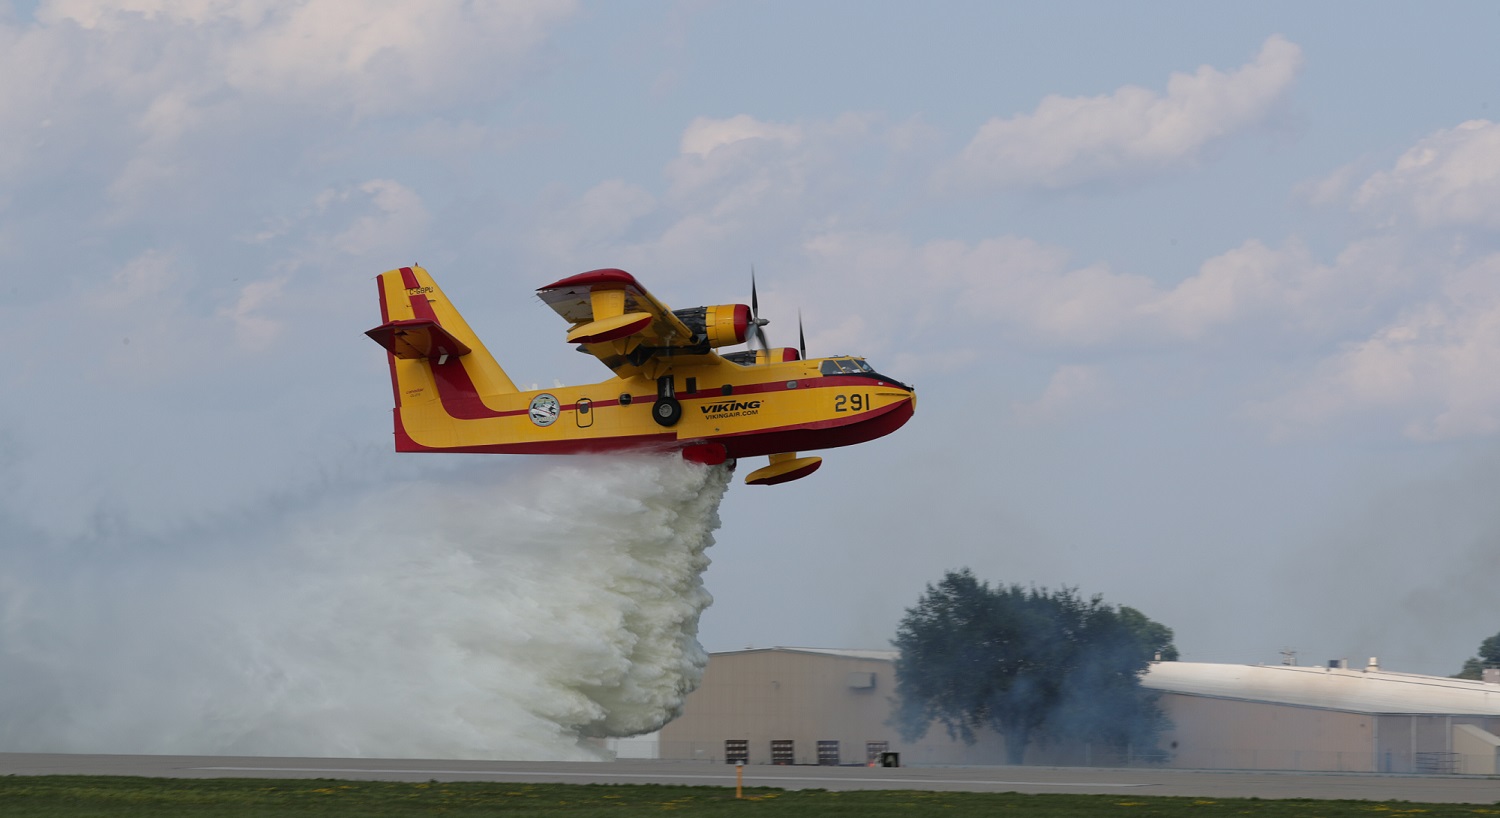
461	400
801	438
828	434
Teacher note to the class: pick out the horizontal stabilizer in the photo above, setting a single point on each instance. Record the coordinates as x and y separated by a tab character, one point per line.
418	338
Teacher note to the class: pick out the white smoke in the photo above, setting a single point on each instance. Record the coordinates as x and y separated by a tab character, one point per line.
491	616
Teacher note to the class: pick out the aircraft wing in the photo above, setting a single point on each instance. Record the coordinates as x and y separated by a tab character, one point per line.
615	319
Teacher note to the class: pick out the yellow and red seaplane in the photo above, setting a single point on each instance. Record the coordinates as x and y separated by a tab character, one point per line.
671	390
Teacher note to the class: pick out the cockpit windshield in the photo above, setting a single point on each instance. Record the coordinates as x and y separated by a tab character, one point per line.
846	366
855	366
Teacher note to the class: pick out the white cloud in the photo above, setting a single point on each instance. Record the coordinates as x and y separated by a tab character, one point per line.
148	277
738	162
255	330
734	182
395	220
384	57
138	326
127	84
705	135
602	215
1333	188
1072	389
1074	140
1432	369
369	57
1029	290
1449	178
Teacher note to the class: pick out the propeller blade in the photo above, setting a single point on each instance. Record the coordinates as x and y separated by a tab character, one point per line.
801	339
754	299
756	322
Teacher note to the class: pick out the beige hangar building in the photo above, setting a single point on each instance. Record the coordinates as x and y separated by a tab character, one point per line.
813	705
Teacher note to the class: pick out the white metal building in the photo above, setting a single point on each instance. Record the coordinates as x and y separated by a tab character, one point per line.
796	702
1326	718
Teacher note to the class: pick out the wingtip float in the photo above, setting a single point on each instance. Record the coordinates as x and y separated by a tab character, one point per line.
671	389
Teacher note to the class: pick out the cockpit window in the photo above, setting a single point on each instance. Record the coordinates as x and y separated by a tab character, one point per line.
845	366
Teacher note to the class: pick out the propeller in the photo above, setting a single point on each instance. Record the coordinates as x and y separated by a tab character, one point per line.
801	339
756	322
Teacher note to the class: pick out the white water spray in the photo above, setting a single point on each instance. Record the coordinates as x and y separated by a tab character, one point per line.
463	617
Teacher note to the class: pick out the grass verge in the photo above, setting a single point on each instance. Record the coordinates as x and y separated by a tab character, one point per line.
69	796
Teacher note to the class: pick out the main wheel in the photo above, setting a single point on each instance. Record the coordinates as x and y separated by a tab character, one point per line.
666	411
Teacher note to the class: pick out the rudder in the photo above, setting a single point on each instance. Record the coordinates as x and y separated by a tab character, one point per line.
425	338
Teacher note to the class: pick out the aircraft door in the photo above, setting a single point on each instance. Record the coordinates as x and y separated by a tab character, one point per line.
584	413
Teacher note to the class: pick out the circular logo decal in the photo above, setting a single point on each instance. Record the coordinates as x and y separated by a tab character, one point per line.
545	409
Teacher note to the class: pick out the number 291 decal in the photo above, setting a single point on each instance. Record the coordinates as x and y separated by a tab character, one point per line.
851	403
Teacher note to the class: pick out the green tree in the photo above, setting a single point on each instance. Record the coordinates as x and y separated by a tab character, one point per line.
1155	637
1489	654
1029	663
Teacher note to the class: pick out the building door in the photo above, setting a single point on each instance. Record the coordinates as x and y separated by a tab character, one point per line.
828	753
783	751
737	751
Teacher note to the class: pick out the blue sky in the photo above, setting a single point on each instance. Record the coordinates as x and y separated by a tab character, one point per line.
1202	301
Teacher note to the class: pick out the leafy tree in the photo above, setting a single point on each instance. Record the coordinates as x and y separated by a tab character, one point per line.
1029	663
1155	637
1489	654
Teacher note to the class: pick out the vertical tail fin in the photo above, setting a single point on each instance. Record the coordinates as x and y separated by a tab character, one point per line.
433	353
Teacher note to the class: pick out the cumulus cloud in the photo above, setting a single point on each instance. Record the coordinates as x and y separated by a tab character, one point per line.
1073	388
1431	369
733	183
704	135
253	329
1330	189
1033	292
601	216
1069	141
395	218
368	58
148	276
124	88
1449	178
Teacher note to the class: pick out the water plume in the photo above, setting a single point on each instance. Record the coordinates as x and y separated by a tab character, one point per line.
483	614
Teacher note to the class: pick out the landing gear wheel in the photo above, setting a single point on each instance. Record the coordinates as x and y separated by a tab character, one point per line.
666	411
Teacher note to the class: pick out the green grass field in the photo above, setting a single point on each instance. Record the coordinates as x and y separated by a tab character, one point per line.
76	796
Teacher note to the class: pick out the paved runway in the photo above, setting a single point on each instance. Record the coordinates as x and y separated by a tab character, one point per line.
1442	789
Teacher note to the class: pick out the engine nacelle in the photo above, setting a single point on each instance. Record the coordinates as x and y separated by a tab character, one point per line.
722	325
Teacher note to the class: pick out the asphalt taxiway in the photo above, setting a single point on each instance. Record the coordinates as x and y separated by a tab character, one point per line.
1202	784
